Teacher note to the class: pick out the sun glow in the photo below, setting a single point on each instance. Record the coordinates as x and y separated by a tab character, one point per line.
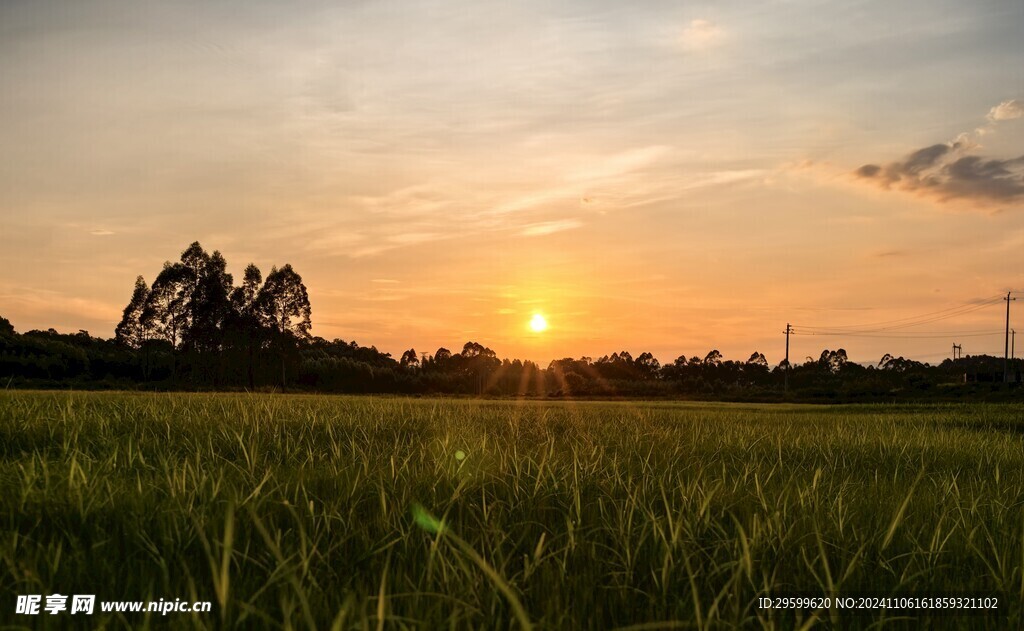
538	323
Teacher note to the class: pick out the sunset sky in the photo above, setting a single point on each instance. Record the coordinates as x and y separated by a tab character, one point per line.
658	176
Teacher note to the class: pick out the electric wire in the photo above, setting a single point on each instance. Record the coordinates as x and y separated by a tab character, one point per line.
891	326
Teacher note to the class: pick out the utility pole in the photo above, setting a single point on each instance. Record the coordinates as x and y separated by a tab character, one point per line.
960	348
788	330
1006	344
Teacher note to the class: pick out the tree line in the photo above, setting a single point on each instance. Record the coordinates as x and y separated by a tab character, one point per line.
193	328
211	331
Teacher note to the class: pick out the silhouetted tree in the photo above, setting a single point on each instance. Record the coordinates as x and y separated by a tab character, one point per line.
164	312
189	276
833	361
757	359
130	331
714	358
209	305
245	329
647	366
473	349
188	306
410	359
477	361
898	364
283	306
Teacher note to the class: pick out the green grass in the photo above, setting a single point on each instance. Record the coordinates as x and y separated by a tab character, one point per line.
344	512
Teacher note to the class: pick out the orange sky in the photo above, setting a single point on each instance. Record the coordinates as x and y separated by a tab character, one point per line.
660	178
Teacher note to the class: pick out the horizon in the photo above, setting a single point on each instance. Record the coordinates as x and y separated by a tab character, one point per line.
659	178
544	364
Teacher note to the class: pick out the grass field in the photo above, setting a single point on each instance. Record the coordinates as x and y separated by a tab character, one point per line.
343	512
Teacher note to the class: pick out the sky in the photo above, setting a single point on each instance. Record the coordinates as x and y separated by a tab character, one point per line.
654	176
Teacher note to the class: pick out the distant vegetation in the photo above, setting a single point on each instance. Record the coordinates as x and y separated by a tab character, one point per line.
308	512
195	329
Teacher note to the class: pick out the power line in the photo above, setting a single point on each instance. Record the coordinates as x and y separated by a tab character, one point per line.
904	323
895	335
972	303
896	329
824	331
933	355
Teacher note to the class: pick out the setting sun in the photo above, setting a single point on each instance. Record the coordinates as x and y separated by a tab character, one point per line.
538	323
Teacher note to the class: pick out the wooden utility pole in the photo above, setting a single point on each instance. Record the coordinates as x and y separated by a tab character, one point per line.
1006	343
788	330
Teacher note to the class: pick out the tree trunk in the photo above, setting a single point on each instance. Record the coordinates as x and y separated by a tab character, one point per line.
252	381
284	385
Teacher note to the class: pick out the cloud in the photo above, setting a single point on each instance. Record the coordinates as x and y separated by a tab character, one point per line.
620	164
714	178
333	241
967	177
550	227
940	172
868	170
415	238
947	171
101	233
925	158
909	169
590	178
1007	110
973	176
58	308
701	34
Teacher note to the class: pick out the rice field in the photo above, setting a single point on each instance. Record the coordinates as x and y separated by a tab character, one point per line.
324	512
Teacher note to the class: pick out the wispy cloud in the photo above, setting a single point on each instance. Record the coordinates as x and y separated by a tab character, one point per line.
412	238
886	254
550	227
332	241
57	307
715	178
548	197
701	34
586	179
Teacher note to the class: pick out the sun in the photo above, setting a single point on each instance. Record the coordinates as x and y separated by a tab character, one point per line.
538	323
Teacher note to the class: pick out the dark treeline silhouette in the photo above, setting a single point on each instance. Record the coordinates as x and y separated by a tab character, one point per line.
194	329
